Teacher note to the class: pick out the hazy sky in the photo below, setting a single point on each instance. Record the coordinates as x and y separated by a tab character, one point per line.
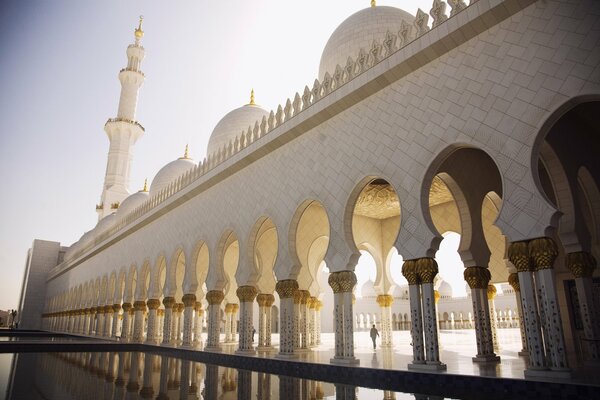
59	62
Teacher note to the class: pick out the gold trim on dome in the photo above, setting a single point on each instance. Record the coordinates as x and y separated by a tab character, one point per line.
378	200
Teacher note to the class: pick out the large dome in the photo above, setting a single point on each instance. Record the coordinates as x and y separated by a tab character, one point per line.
368	289
233	123
358	31
132	202
169	173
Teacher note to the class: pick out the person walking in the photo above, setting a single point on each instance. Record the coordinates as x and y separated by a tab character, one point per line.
374	334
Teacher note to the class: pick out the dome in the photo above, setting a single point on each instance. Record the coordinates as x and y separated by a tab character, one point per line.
132	202
400	292
445	289
169	173
368	289
358	31
233	123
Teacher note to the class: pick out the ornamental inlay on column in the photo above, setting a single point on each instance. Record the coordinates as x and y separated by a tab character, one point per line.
478	279
214	298
126	328
189	302
228	322
198	324
385	302
153	305
115	328
286	289
343	283
265	302
246	294
582	265
513	280
138	321
168	302
491	295
543	253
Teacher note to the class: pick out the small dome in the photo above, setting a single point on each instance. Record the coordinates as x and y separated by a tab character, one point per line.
358	32
169	173
400	292
445	289
368	289
232	125
132	202
104	224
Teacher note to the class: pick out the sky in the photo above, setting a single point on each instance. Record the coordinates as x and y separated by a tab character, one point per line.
59	62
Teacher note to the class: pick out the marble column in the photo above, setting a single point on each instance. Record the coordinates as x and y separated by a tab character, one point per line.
513	280
437	296
138	321
342	283
126	328
246	294
211	380
108	320
304	320
234	322
189	302
312	323
518	254
198	324
318	308
214	298
297	319
287	327
161	324
228	319
168	302
178	322
582	265
100	317
265	302
152	334
491	295
543	253
478	279
427	269
409	271
115	327
385	303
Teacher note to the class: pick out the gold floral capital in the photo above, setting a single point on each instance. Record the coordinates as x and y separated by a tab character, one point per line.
543	252
189	300
491	292
513	280
139	305
581	264
246	293
215	297
477	277
265	300
198	306
319	305
518	254
312	302
427	269
305	296
286	288
153	304
116	307
228	308
126	307
385	300
342	281
409	270
169	302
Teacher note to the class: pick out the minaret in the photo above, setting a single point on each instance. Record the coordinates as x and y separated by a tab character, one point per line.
123	131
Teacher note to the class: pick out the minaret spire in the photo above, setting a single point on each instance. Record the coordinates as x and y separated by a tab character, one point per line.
123	131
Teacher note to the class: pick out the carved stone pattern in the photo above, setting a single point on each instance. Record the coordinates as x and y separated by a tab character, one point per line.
543	252
581	264
409	271
519	256
427	269
215	297
286	288
246	293
477	277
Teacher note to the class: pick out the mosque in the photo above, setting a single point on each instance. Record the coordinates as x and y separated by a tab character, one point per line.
477	119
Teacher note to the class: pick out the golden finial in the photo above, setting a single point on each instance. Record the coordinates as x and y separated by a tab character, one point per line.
252	103
185	154
373	3
139	33
145	189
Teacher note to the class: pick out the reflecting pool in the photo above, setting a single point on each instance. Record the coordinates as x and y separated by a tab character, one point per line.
136	375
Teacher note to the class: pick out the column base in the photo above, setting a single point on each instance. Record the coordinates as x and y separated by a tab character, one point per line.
286	356
427	366
345	360
213	349
188	346
249	352
151	341
265	349
548	373
386	346
524	353
484	358
301	350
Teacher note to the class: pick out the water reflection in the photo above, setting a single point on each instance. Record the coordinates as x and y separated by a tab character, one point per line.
124	375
